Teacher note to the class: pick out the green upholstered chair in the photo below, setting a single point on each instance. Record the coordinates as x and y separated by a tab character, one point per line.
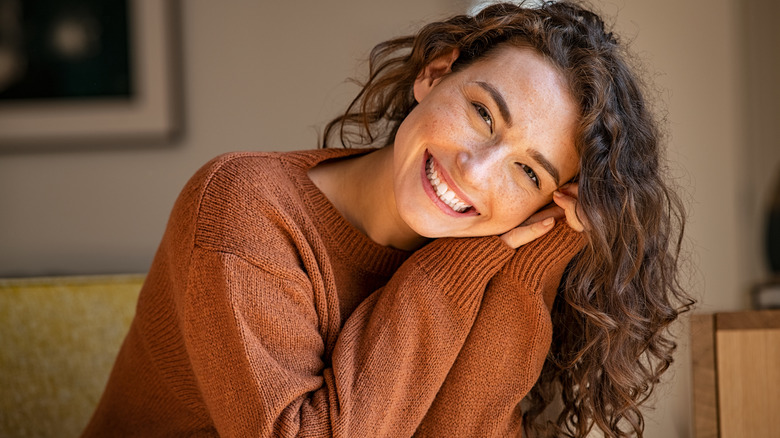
59	337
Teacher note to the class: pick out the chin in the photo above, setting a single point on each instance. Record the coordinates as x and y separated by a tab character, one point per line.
433	232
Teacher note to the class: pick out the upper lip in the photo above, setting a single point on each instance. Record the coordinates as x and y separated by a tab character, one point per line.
450	183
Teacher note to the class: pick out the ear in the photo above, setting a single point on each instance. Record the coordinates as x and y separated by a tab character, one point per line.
433	73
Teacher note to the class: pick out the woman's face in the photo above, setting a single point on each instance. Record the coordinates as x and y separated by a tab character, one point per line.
486	147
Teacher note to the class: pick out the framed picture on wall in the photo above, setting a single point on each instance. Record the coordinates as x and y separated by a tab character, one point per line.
87	70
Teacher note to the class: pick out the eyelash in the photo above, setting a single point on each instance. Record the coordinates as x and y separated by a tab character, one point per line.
531	174
484	114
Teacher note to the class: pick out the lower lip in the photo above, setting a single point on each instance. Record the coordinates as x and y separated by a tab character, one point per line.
431	192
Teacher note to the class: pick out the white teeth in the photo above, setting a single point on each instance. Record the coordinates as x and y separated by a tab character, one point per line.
443	191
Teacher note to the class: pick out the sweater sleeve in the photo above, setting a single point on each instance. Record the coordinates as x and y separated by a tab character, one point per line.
507	346
256	348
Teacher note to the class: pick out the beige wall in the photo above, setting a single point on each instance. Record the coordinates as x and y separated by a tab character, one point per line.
266	76
257	75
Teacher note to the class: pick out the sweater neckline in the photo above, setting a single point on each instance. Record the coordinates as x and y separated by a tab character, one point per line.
349	242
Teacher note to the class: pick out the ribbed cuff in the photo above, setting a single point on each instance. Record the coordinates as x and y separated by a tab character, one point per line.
545	256
463	265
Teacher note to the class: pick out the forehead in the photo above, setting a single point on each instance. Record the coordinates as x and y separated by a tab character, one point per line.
522	70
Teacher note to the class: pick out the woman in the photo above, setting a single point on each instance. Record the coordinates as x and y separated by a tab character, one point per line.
411	289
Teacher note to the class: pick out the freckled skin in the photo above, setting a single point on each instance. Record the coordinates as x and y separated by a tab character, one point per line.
482	157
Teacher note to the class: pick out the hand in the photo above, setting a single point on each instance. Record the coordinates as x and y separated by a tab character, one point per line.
528	232
564	206
566	198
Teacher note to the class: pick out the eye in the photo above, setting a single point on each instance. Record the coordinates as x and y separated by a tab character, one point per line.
531	174
485	114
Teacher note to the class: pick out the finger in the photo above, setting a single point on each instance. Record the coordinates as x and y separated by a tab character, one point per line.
569	206
523	234
570	189
550	210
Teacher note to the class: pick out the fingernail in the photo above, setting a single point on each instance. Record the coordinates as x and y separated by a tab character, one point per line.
557	194
547	222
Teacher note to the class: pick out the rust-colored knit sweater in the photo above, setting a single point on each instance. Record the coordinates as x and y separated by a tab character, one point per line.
265	313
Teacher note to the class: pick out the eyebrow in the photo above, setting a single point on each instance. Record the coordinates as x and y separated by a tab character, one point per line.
547	165
503	108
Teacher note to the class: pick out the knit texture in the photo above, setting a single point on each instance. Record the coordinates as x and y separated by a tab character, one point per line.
265	313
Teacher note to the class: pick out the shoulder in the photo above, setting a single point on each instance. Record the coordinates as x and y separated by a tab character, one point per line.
222	183
245	196
235	175
259	173
248	202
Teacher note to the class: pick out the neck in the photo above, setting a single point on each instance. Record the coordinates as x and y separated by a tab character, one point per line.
361	188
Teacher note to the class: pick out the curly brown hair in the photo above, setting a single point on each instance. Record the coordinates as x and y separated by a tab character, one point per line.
620	294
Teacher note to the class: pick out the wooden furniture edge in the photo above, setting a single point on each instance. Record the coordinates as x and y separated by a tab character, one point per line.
756	319
705	390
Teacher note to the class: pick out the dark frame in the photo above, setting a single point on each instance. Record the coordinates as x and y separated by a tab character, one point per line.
151	113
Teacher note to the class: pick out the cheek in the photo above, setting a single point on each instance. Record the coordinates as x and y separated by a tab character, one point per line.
514	207
440	121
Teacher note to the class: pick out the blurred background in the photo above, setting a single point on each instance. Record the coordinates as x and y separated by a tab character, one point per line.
261	75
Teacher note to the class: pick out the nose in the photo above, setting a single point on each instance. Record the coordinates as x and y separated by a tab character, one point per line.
481	164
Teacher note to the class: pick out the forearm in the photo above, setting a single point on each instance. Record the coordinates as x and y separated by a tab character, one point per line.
507	345
389	361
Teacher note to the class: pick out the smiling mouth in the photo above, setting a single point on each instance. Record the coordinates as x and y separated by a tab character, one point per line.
443	191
